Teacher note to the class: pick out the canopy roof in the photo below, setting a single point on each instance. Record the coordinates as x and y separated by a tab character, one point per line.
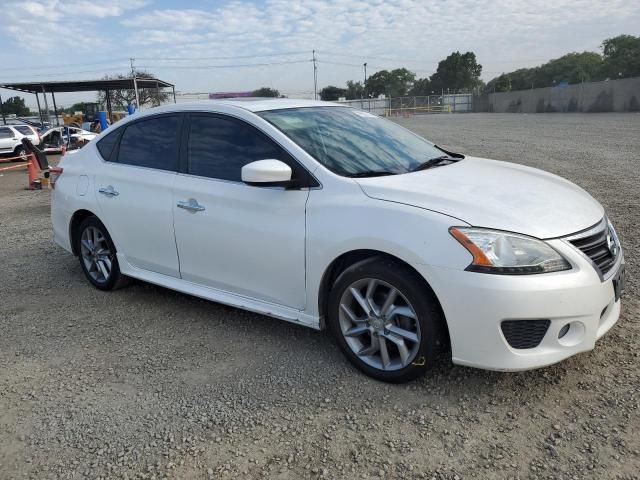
85	85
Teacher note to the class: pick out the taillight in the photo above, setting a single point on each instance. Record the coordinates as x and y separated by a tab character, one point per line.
54	173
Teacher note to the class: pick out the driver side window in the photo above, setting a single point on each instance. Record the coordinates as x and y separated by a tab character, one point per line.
219	147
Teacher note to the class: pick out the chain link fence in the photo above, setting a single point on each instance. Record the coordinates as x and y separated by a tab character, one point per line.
407	106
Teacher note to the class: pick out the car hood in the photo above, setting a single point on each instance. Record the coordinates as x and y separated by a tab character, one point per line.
493	194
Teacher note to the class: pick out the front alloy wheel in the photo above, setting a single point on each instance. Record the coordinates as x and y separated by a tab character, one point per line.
379	324
386	319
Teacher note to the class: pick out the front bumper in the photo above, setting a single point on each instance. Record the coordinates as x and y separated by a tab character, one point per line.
475	304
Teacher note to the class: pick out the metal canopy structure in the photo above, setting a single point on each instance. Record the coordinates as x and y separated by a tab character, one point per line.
105	85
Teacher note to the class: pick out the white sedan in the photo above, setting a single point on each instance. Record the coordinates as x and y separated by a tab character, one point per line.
323	215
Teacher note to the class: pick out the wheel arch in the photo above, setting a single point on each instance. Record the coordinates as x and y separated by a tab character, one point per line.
345	260
74	225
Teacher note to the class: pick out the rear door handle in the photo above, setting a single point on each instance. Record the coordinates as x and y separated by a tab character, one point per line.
108	191
192	205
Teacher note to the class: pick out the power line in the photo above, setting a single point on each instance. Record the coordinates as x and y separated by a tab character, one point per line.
233	57
237	65
416	60
61	74
359	65
69	65
124	61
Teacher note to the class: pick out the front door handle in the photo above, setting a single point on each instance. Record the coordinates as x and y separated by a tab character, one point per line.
192	205
108	191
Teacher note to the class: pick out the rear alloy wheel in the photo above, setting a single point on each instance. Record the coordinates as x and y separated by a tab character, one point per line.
385	319
98	256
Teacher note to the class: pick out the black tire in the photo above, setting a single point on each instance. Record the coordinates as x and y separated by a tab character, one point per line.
20	152
115	279
420	297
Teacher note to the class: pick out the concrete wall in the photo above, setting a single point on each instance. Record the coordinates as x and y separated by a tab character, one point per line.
610	96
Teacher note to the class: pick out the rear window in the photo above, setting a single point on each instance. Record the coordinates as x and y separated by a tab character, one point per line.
106	143
24	129
151	143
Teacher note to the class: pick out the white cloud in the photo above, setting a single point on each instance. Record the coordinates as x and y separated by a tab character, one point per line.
98	10
49	24
413	28
504	34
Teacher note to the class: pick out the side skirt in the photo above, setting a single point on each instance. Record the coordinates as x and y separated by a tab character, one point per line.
246	303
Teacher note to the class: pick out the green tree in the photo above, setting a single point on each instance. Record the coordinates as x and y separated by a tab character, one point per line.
421	87
120	98
621	56
570	68
354	90
15	105
266	92
394	83
499	84
76	107
458	72
332	93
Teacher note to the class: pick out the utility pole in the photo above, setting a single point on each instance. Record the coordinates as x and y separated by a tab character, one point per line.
365	80
4	118
315	77
135	84
46	104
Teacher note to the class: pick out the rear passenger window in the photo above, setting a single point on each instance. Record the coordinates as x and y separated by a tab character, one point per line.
6	133
151	143
24	130
220	147
106	144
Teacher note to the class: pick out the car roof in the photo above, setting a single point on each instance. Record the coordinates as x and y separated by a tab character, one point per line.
250	104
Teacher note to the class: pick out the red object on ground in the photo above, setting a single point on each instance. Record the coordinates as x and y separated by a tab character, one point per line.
33	169
54	173
63	149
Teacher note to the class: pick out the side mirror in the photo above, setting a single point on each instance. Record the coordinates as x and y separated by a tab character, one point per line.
267	173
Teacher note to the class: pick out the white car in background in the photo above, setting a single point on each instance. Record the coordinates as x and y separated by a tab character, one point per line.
11	139
71	137
323	215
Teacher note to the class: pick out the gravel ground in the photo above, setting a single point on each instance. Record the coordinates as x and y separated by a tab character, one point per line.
148	383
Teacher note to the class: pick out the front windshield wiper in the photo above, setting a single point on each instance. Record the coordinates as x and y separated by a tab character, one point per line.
370	173
432	162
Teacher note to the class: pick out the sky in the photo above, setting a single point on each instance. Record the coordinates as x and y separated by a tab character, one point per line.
240	45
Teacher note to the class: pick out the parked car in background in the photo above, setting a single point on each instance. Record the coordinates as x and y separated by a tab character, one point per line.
70	137
10	141
28	131
324	215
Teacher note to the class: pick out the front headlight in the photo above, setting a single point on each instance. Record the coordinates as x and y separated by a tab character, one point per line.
504	253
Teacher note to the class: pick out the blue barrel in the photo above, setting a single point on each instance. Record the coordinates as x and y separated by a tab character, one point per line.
131	109
102	116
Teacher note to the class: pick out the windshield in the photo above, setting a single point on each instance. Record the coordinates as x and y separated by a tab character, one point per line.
351	142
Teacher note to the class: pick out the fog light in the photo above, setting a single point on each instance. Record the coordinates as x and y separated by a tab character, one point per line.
563	331
571	334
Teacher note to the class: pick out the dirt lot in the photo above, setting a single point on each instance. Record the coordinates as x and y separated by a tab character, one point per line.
148	383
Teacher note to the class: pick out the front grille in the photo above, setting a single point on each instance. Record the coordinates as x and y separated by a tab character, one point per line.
595	245
523	334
